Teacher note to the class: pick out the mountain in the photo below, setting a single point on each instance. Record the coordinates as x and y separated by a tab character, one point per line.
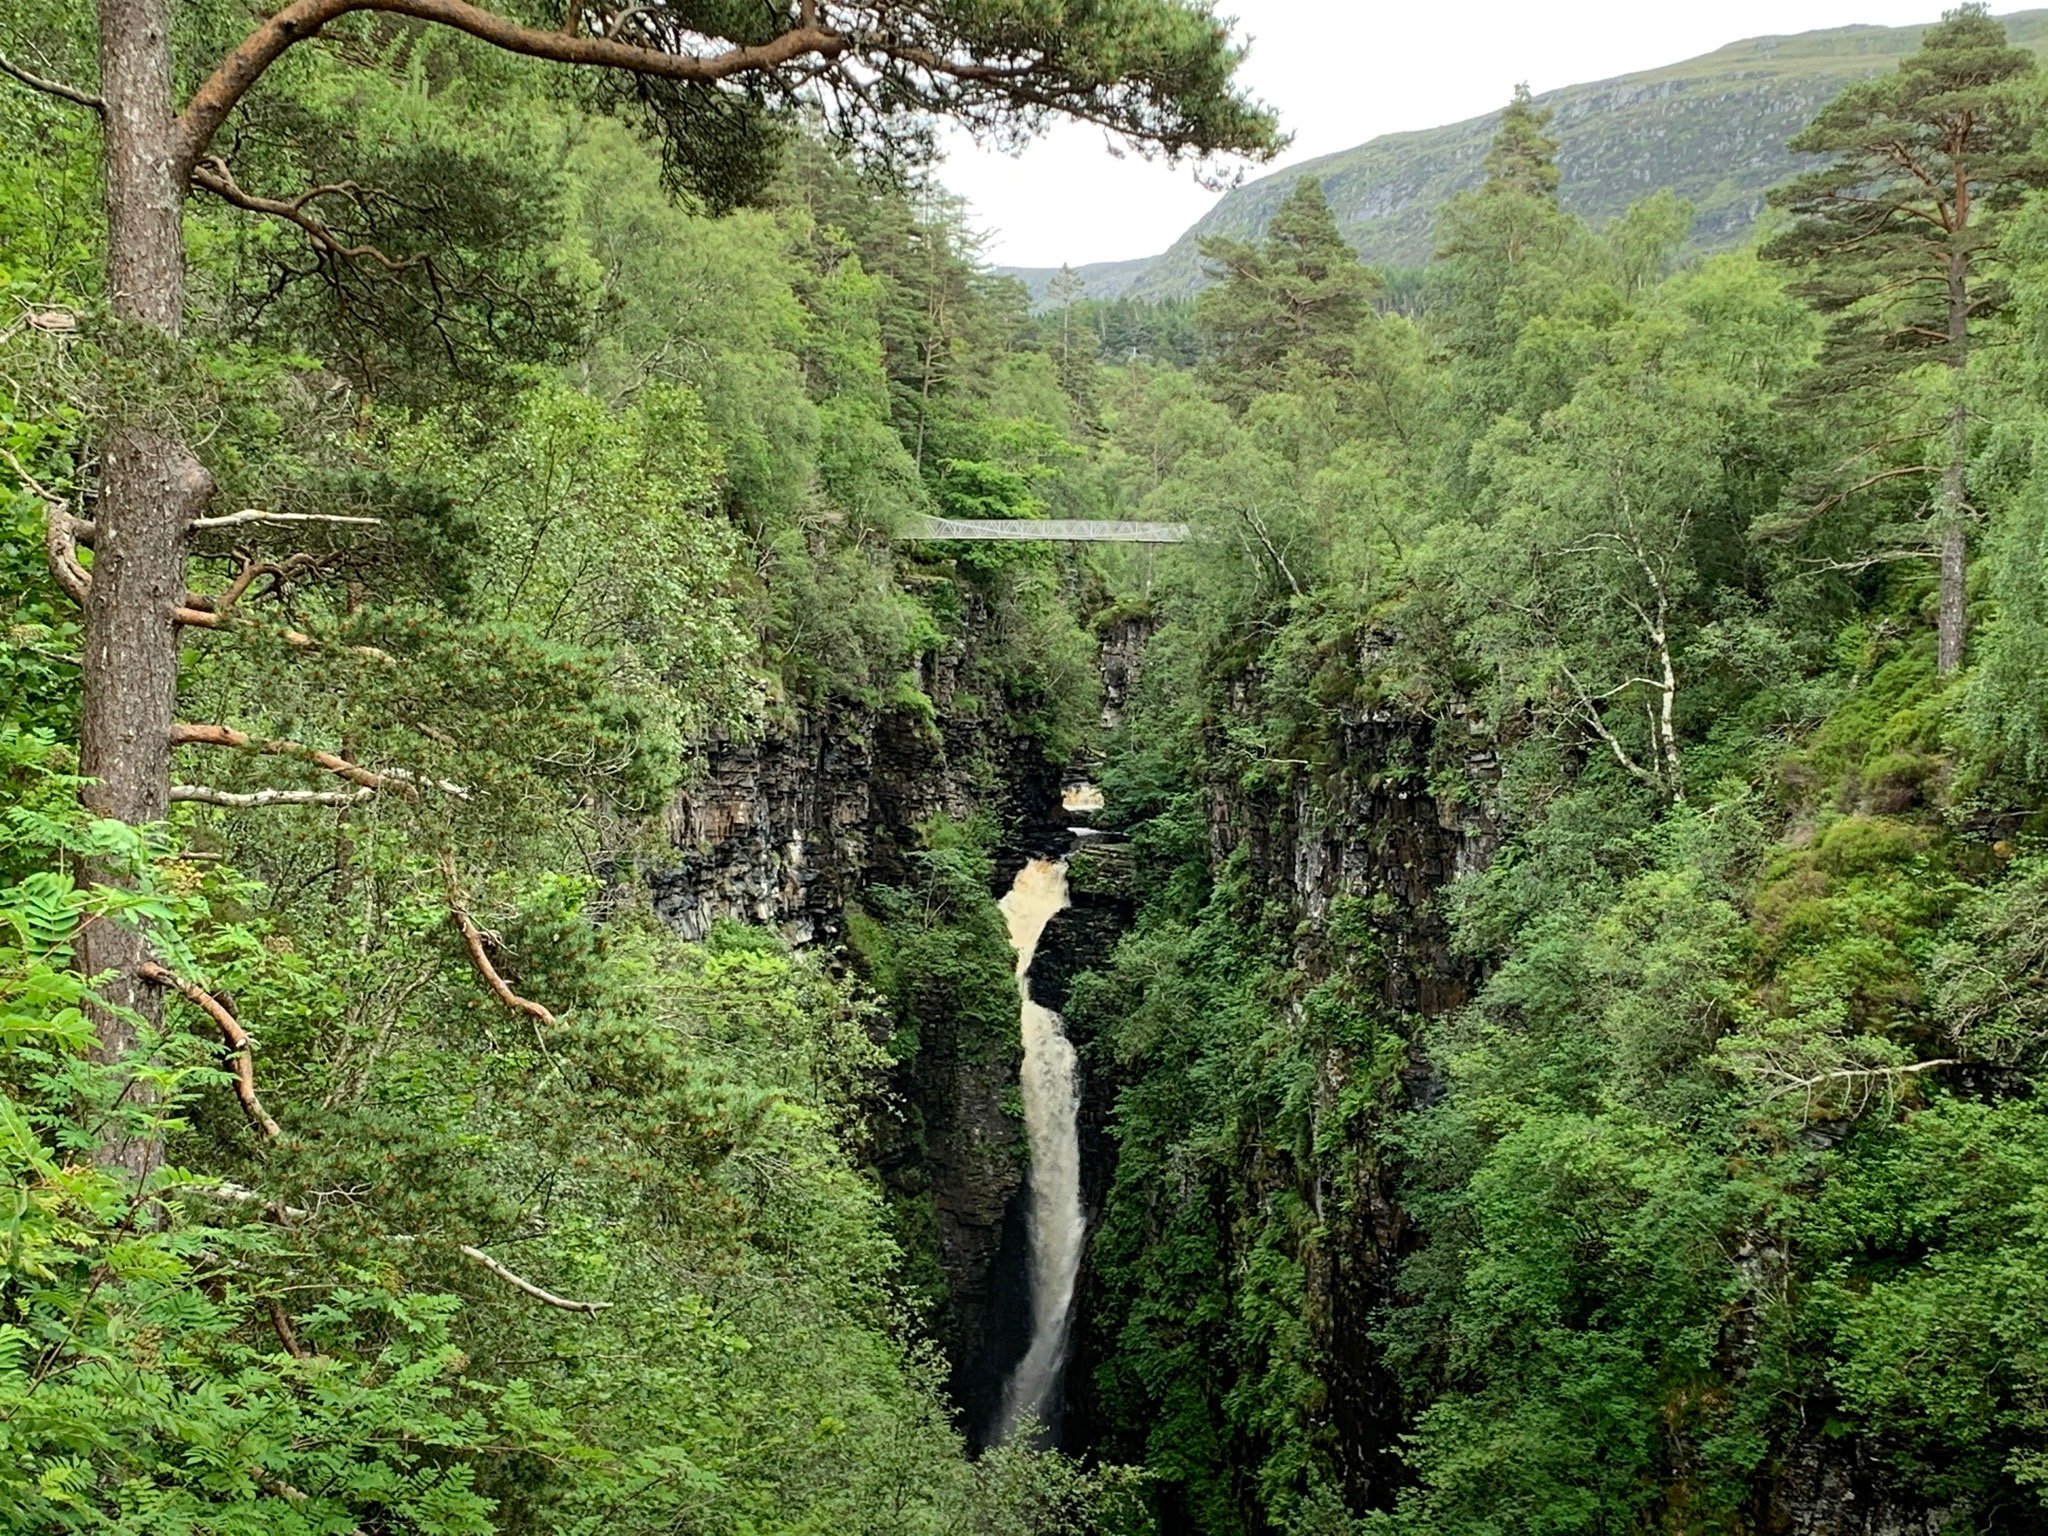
1713	129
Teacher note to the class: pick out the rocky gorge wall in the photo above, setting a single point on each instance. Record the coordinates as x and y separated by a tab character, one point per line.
1350	857
1347	858
787	831
1371	836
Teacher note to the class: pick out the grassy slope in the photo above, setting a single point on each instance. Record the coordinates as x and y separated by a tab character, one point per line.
1712	128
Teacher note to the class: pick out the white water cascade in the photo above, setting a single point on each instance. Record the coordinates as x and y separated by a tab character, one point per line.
1052	1104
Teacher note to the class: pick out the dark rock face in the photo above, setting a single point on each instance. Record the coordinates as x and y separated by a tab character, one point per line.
966	1156
1367	833
1121	647
786	832
1844	1489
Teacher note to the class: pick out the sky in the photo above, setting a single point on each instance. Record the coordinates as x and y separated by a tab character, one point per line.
1344	71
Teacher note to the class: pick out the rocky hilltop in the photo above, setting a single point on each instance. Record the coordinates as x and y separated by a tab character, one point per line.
1713	129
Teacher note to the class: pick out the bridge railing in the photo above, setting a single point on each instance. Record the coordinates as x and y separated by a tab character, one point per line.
1047	530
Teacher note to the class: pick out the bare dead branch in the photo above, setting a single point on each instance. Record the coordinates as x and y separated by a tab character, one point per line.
57	88
1590	712
60	532
1257	524
1867	561
244	1057
240	1196
60	546
200	794
520	1283
257	515
397	779
1790	1084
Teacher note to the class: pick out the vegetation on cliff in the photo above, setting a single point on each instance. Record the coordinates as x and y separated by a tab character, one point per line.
1575	1062
1578	1057
375	1160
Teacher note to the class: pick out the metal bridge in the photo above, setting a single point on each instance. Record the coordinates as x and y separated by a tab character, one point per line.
1047	530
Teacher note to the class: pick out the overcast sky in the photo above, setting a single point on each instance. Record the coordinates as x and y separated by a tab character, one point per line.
1344	71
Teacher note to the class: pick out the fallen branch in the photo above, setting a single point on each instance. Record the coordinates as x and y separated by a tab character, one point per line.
519	1282
244	1057
478	957
396	779
200	794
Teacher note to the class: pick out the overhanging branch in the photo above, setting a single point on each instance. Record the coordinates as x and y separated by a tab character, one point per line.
213	176
241	69
399	780
201	794
57	88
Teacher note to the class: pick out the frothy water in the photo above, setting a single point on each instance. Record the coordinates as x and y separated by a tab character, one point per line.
1052	1103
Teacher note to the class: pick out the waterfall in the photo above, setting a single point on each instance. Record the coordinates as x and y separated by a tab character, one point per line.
1052	1103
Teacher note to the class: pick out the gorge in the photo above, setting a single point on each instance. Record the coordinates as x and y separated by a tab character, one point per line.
580	953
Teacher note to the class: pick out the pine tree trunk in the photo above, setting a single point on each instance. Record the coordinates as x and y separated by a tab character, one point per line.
150	488
1952	512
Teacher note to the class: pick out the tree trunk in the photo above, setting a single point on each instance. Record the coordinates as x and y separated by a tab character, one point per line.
150	488
1952	511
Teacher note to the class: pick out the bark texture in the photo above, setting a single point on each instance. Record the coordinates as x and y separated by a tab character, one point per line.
150	488
1951	517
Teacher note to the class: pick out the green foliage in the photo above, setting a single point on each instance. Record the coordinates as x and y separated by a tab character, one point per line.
1523	159
582	480
1293	301
1738	977
1572	1065
1949	117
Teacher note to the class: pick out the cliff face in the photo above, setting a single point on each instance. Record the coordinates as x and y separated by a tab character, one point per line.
788	831
1366	841
785	831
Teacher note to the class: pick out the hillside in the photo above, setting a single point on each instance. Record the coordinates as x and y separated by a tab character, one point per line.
1713	128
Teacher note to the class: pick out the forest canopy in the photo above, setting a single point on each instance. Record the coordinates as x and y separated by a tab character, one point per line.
1571	1060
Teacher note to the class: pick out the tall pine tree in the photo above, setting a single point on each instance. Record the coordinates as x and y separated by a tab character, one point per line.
1488	237
1523	158
1896	238
1296	299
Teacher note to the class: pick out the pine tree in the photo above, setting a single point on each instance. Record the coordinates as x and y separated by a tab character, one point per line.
1296	298
1523	158
1897	239
1488	236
